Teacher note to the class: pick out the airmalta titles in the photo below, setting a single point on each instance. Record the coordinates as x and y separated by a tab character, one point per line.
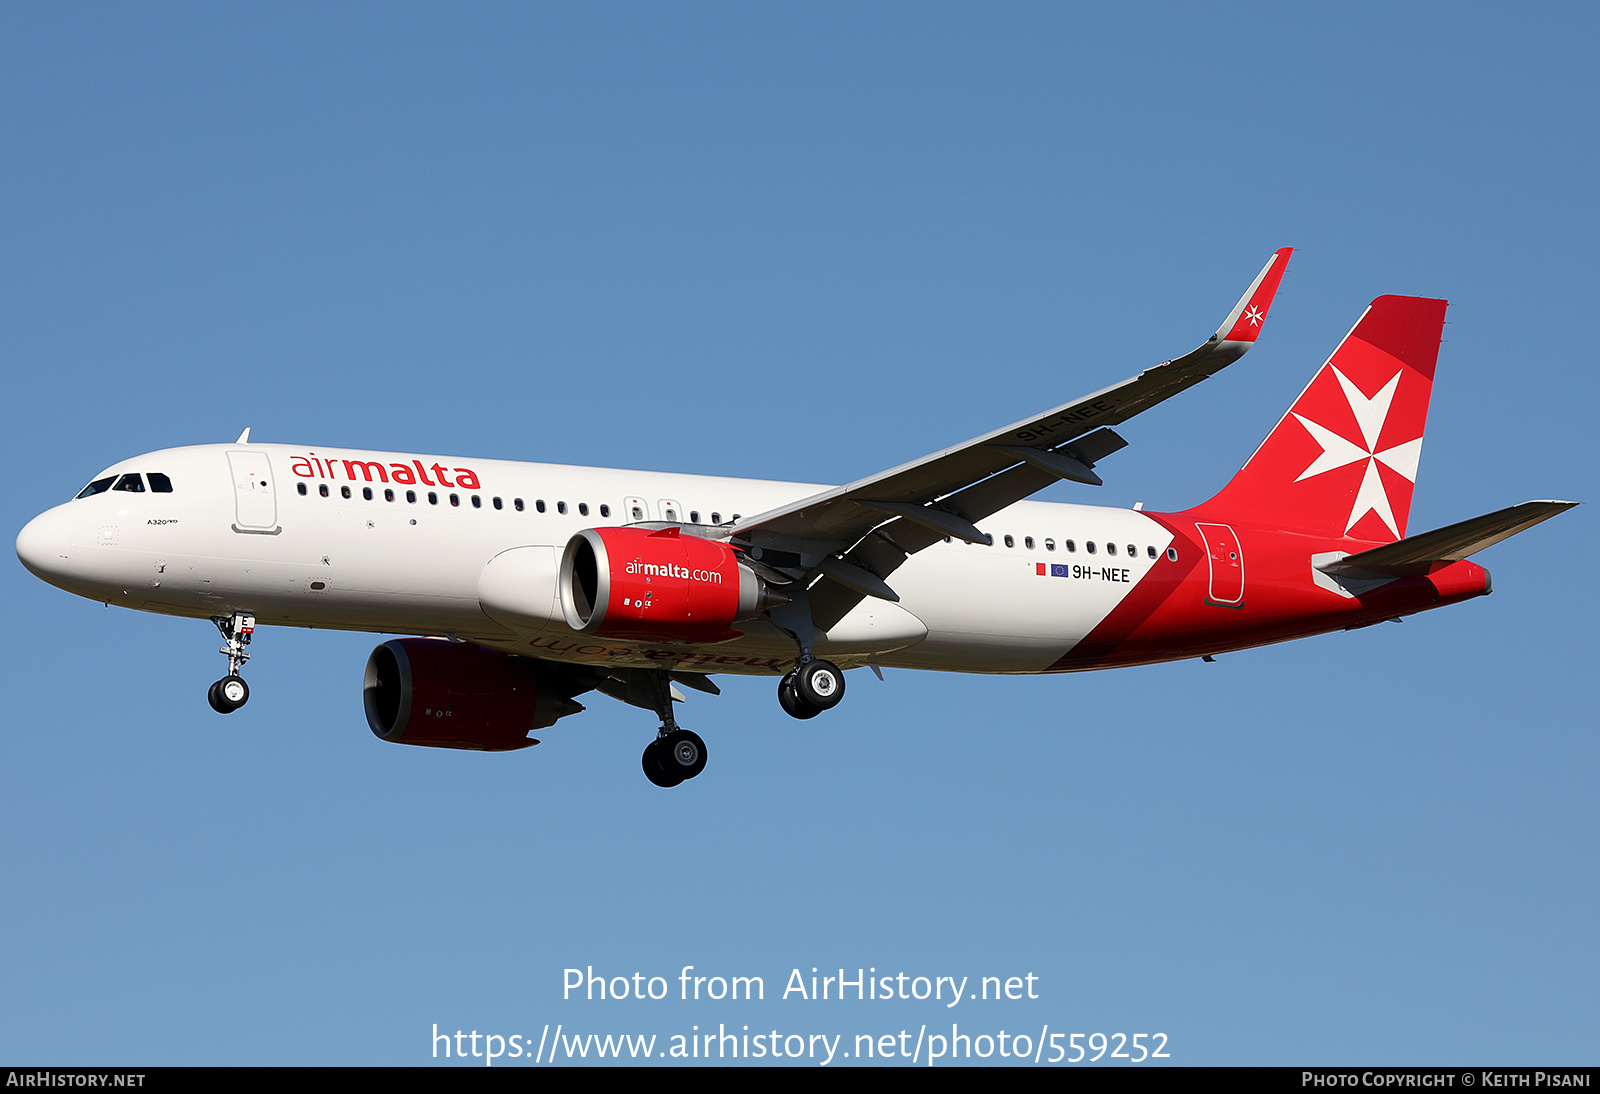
312	466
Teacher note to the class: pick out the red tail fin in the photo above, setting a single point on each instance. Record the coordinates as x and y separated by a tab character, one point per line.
1343	460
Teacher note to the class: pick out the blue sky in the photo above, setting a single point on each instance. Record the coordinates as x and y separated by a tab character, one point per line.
806	243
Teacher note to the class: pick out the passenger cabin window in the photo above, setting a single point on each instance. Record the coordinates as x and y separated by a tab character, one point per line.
1172	554
322	489
1010	542
133	484
300	486
638	512
1049	545
1071	546
1133	552
694	516
388	495
583	508
517	504
1089	546
1151	551
366	492
98	486
605	510
455	499
159	483
497	503
716	518
1111	548
344	491
561	507
433	499
539	505
411	496
1028	543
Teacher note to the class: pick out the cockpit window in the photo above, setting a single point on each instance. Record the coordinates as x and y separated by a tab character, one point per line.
159	483
98	486
131	483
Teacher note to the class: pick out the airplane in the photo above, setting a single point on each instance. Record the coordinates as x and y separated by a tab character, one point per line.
532	584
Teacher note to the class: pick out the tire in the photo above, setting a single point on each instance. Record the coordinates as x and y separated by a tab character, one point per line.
233	692
820	684
682	753
654	768
228	694
792	704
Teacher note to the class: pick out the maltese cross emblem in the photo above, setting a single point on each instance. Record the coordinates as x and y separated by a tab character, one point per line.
1337	451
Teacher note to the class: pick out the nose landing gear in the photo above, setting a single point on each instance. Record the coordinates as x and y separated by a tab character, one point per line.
231	692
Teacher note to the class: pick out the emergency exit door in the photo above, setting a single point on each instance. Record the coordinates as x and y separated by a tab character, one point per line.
1227	564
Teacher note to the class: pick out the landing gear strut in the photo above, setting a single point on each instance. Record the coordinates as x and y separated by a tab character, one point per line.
231	692
676	754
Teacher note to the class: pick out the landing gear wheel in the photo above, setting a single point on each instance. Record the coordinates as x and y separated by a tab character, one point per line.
684	753
654	762
820	684
792	704
228	694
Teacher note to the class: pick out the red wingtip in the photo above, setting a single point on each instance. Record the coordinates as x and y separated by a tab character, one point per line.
1247	327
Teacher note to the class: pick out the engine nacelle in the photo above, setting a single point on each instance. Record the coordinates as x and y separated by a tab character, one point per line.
638	584
430	691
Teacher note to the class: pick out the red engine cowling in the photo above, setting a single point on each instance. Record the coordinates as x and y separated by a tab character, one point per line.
638	584
429	691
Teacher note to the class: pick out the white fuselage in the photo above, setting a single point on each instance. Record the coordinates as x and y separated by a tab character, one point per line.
268	529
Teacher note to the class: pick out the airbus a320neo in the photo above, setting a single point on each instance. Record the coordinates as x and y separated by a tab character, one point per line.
537	583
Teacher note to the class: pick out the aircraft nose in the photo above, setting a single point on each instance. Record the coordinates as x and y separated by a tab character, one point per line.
45	547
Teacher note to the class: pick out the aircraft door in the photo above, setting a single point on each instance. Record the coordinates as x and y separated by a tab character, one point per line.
1227	564
255	503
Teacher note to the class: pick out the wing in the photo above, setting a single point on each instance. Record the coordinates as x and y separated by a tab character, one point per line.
857	535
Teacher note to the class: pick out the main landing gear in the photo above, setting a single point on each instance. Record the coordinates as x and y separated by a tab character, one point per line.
231	692
810	688
813	685
676	754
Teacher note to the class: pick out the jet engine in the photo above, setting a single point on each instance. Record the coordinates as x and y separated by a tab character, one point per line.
430	691
663	585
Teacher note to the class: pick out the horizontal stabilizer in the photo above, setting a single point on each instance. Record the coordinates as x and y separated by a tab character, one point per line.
1424	553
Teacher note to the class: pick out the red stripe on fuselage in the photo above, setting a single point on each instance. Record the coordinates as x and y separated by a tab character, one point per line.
1169	615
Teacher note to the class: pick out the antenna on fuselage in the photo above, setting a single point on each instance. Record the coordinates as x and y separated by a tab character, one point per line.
244	438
